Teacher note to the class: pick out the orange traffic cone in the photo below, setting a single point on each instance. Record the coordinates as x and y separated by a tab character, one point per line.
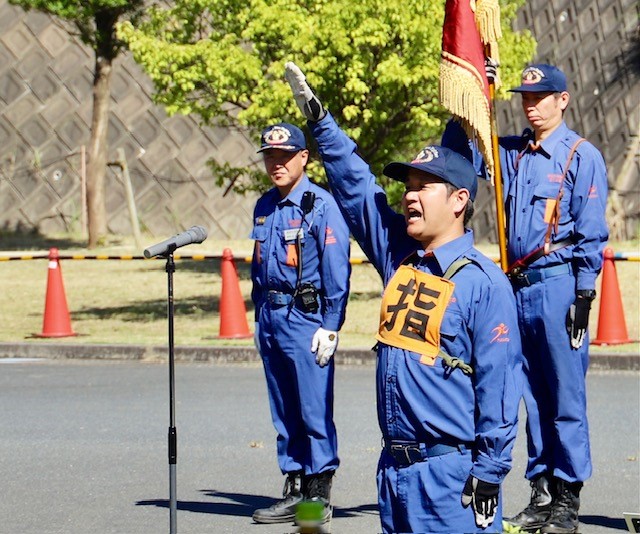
612	328
57	322
233	312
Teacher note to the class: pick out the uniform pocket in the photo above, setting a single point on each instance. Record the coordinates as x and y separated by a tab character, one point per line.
449	329
259	235
547	189
451	324
547	192
452	338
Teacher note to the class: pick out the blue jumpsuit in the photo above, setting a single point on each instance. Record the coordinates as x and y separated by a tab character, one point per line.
434	404
300	391
555	390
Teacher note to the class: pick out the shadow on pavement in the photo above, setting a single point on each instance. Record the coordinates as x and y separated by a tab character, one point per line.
245	505
603	521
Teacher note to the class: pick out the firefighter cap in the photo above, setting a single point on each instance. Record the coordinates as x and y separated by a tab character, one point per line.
541	78
283	136
441	162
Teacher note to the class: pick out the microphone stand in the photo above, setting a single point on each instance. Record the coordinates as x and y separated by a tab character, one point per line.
172	435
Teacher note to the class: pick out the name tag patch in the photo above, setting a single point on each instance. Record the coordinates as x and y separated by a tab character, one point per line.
292	233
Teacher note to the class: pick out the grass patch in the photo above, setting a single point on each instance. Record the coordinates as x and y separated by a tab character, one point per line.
123	302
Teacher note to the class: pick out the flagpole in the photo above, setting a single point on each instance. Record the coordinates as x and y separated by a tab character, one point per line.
469	34
497	178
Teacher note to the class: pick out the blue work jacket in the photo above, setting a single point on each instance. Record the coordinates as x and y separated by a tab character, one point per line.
532	179
325	250
432	403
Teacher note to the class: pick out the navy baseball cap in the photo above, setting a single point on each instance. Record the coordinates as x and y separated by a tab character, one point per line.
541	78
441	162
283	136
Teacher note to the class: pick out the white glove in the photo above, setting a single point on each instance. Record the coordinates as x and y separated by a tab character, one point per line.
306	99
491	70
324	344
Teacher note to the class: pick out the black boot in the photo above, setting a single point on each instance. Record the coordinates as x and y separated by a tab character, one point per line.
285	510
564	512
316	508
537	513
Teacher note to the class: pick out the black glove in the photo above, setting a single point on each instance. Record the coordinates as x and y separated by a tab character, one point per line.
484	498
491	69
307	100
578	317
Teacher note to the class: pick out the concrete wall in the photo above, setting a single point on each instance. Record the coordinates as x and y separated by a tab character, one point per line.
45	116
592	41
45	112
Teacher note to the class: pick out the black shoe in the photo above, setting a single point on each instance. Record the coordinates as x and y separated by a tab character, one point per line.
538	511
285	510
316	508
564	512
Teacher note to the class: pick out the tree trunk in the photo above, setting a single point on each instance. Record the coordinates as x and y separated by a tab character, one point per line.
96	170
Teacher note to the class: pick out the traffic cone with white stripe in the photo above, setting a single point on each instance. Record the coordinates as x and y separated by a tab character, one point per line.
57	322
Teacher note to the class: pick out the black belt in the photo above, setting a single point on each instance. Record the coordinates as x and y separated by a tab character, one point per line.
528	277
408	452
278	298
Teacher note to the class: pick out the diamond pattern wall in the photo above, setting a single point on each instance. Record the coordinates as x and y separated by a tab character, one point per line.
45	113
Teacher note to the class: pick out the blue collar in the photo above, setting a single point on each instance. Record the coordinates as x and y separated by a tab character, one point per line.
446	254
550	143
295	195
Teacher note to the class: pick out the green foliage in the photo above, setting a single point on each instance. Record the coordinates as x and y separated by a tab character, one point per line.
94	20
511	529
75	9
375	65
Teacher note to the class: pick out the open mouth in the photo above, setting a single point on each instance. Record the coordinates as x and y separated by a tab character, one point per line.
413	214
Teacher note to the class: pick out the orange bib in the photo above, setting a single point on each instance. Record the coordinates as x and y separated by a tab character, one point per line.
412	309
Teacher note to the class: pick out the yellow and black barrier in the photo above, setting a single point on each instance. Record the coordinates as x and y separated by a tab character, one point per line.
618	256
128	257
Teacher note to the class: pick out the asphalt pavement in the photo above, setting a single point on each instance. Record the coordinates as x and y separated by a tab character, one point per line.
52	349
83	448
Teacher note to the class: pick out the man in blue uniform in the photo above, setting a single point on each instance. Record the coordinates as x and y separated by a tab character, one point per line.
555	198
300	274
449	355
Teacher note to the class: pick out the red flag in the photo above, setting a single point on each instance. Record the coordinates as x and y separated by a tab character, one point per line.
464	88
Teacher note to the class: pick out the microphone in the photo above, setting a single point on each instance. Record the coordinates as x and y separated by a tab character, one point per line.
195	234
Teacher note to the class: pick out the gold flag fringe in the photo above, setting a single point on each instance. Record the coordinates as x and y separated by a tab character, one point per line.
461	92
487	15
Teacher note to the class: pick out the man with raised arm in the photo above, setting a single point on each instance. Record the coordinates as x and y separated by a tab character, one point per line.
449	356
